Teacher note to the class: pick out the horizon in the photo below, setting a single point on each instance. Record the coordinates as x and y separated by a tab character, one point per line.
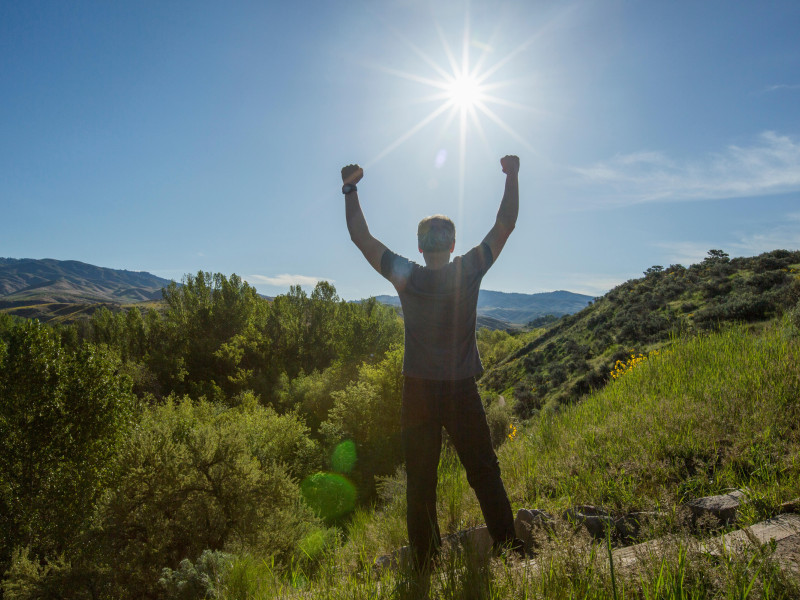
308	288
175	138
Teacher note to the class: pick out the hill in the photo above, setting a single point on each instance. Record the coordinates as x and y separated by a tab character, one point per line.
715	413
498	310
50	288
576	354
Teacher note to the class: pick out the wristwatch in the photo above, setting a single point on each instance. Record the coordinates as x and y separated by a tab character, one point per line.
348	188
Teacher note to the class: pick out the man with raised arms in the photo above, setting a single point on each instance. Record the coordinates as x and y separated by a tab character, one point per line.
441	360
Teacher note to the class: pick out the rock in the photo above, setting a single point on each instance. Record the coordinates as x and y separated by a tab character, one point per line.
724	507
628	526
398	558
475	540
792	506
596	520
776	529
526	520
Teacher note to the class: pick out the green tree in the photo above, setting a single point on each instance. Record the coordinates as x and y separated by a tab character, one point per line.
61	417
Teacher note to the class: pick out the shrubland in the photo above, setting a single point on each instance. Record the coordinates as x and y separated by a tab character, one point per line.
235	447
576	354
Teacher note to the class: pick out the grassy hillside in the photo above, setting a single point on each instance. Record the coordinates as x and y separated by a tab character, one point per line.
711	413
576	354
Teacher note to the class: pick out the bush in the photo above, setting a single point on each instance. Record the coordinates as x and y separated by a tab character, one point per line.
193	581
198	476
498	416
367	412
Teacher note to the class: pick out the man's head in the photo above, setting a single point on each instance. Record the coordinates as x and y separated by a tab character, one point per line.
436	234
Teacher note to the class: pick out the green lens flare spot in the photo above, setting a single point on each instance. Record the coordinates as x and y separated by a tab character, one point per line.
330	495
344	457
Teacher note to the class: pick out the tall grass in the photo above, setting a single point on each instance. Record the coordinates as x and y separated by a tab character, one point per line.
707	414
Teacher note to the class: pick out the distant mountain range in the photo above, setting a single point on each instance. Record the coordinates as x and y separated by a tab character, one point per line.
49	288
499	309
68	289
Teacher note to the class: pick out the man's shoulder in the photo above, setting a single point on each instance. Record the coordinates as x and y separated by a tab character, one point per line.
478	258
396	268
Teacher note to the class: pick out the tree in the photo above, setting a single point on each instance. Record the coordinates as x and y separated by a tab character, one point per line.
61	416
717	256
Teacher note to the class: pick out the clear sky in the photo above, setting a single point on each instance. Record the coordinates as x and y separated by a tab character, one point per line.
173	137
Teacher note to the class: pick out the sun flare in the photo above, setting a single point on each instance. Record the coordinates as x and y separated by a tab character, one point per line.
464	92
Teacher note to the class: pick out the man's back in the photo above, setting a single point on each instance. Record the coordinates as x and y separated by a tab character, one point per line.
439	311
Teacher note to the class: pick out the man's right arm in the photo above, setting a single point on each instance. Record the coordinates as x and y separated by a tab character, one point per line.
509	208
370	247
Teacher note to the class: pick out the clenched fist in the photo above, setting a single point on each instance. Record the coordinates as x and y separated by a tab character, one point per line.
510	164
352	174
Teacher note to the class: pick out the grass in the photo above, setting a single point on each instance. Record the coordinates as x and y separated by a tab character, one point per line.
707	414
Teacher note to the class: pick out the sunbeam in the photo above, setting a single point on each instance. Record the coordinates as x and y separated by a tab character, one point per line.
464	91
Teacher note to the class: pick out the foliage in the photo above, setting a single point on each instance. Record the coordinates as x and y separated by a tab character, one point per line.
61	418
217	338
367	412
494	345
575	356
197	476
249	403
198	580
718	411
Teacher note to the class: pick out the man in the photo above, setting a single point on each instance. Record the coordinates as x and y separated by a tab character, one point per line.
441	360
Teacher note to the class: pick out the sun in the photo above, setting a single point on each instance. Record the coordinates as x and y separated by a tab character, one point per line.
462	90
465	92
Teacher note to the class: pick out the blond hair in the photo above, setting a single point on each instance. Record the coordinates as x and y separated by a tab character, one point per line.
436	234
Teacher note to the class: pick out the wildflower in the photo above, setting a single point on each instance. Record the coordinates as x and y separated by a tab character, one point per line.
512	431
622	367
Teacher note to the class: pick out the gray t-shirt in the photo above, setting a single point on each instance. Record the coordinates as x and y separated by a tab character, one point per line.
439	310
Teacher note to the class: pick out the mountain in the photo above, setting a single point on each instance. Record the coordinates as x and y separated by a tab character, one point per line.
34	287
563	361
498	310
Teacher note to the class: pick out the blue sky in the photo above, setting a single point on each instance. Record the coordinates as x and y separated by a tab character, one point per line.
173	137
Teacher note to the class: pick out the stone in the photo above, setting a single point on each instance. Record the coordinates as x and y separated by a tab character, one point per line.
775	529
724	506
475	540
398	558
594	519
792	506
526	520
629	526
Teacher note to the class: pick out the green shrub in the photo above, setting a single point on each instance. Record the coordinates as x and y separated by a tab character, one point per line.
498	416
198	580
197	476
367	412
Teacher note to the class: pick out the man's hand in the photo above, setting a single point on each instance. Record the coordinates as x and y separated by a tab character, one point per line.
510	164
352	174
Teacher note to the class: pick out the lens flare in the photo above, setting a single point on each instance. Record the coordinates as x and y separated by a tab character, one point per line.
344	457
330	495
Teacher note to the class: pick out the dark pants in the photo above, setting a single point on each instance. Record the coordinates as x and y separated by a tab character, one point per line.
428	406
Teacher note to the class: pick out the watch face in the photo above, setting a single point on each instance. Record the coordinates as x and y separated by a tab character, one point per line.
348	187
